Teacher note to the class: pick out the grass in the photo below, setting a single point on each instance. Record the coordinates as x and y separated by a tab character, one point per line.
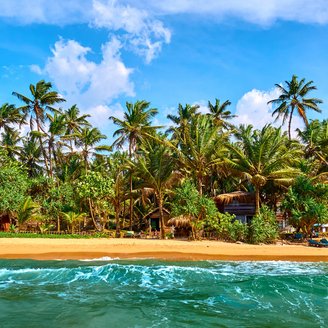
53	236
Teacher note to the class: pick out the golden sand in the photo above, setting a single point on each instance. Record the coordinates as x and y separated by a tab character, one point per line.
46	249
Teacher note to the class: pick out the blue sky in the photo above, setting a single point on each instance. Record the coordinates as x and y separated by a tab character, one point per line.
101	53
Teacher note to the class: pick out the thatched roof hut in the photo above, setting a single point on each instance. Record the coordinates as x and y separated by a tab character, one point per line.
181	221
240	196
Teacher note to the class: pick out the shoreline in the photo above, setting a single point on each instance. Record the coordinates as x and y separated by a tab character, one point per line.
171	250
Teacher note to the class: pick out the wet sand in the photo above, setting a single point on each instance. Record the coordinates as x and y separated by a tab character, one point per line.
51	249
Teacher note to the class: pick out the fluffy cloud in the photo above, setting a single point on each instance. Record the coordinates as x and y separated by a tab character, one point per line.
86	81
89	84
253	109
144	34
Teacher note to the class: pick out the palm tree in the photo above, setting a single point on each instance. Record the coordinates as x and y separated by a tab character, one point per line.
10	140
182	120
74	121
30	156
202	147
117	167
9	115
27	211
133	129
220	113
42	100
56	129
87	140
72	218
293	97
264	155
156	171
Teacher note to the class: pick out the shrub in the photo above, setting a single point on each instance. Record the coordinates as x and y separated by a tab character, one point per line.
226	227
264	227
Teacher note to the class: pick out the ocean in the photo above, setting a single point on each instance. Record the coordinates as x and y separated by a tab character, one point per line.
151	293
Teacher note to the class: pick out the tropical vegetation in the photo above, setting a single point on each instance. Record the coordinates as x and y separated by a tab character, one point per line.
60	174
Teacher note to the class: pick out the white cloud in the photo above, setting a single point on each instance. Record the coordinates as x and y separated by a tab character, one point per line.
253	108
144	34
129	14
255	11
84	81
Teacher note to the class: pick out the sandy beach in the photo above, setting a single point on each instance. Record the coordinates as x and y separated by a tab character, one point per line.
47	249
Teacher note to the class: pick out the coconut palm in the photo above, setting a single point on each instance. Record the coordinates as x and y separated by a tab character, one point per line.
135	127
75	122
220	113
201	148
10	141
293	97
30	156
156	171
9	115
56	129
182	120
36	107
263	155
87	140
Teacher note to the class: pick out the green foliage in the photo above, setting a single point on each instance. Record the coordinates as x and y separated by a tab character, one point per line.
72	218
94	186
264	227
188	201
306	203
13	184
28	210
226	227
52	236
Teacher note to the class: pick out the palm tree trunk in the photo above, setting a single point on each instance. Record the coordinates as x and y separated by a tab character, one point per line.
161	215
257	200
131	187
290	123
200	185
92	214
117	220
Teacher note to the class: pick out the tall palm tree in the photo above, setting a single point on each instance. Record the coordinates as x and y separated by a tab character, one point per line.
56	129
156	170
202	147
30	156
9	115
220	113
87	140
36	107
293	97
261	156
135	127
74	121
182	120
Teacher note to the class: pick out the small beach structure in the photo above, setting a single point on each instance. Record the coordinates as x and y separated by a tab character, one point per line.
239	203
181	224
154	220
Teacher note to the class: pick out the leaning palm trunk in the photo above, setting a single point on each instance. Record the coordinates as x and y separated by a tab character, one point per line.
161	215
117	220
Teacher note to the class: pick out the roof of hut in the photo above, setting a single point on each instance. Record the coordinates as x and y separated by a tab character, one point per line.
154	211
181	221
241	196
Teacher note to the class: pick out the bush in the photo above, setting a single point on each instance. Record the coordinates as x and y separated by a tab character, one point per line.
226	227
264	227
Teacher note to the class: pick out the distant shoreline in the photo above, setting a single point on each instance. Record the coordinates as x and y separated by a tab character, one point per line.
175	250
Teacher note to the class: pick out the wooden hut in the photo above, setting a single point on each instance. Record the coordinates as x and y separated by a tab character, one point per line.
239	203
154	221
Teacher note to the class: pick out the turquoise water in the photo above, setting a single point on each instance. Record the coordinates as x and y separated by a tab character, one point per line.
146	293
